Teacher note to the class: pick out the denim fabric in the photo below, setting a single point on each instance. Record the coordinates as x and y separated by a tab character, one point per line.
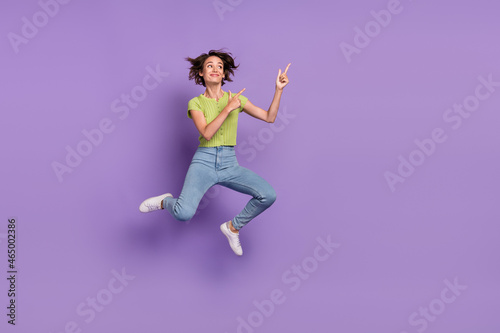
218	165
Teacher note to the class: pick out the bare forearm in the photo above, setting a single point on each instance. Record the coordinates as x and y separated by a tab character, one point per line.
275	104
215	124
233	104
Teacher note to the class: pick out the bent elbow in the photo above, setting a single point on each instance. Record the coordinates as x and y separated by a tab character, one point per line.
207	137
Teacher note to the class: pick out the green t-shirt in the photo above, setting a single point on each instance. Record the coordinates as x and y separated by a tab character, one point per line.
226	135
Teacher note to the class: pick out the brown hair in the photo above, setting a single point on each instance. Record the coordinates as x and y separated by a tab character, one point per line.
197	65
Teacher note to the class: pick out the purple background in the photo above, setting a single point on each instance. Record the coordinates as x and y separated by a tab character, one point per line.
348	122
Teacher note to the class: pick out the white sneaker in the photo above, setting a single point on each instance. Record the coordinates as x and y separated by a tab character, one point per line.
234	239
153	203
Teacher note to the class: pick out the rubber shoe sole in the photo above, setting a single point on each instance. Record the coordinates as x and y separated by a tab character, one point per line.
153	203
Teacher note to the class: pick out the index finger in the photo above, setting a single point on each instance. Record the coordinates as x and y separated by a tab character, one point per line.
286	69
242	90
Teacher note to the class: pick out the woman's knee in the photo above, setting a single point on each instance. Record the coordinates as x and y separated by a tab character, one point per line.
184	214
268	197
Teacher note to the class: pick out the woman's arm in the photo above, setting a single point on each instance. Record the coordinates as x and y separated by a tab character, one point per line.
208	131
269	115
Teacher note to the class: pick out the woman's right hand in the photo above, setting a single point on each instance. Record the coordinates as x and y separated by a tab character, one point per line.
234	102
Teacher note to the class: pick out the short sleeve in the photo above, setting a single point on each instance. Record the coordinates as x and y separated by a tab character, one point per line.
194	104
243	101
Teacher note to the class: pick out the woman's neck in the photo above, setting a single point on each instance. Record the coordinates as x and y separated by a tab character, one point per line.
214	91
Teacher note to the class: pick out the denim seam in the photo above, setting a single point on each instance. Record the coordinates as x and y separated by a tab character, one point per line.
243	185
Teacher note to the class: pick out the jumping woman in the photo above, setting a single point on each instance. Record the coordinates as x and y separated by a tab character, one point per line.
215	115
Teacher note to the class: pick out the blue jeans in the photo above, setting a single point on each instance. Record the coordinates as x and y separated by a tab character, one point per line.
218	165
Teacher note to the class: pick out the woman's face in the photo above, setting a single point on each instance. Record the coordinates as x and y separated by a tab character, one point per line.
213	70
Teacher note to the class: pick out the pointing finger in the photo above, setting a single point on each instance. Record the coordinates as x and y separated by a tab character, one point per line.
242	90
229	91
286	70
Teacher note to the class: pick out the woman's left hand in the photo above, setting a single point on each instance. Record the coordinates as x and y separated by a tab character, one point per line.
282	79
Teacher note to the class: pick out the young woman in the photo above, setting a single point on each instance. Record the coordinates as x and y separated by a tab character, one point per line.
215	115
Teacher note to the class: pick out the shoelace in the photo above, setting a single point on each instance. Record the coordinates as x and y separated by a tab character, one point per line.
237	238
234	236
152	206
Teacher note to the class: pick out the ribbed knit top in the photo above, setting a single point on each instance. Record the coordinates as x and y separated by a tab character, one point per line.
226	135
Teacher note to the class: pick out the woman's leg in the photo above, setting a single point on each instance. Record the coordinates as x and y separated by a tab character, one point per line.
246	181
200	178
